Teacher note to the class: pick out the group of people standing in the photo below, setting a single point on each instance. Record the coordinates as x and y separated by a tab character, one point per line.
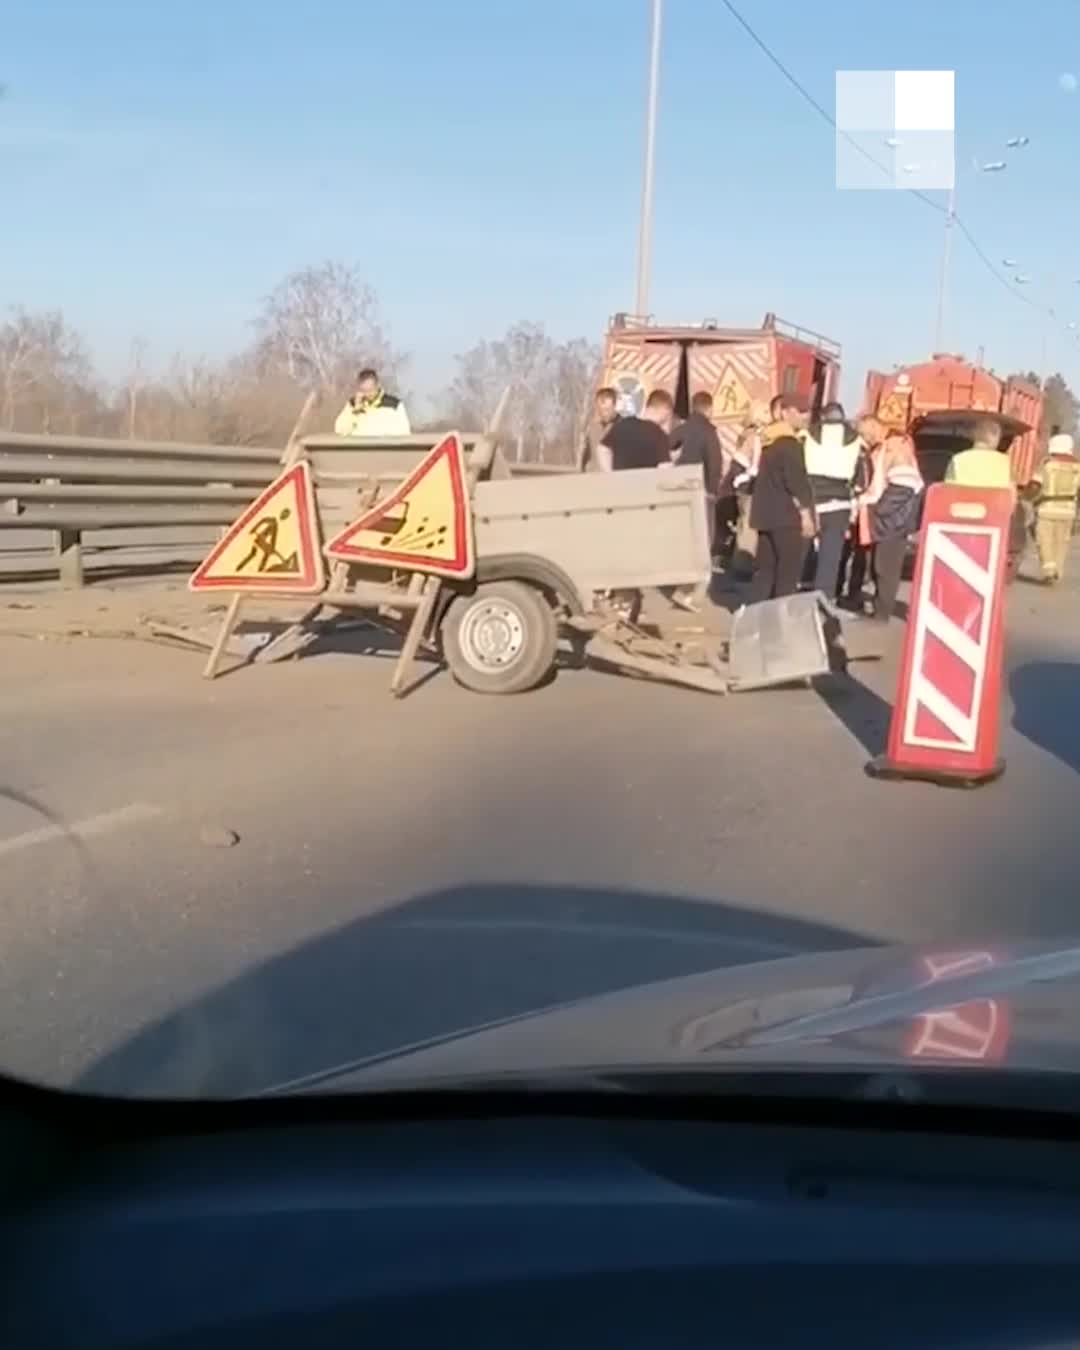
829	503
817	503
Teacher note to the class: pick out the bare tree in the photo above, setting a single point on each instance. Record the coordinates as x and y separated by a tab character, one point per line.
44	371
136	381
549	384
319	325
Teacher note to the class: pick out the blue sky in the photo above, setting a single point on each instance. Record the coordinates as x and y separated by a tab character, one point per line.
164	165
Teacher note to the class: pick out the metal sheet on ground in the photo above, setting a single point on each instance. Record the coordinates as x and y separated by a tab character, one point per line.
778	641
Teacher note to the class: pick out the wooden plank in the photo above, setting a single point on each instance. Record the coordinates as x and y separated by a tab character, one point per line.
193	638
415	635
228	623
600	648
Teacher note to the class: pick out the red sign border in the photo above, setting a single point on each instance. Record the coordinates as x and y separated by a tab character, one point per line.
312	577
462	565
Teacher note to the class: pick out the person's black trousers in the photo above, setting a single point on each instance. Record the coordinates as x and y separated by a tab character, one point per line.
832	529
853	563
888	565
778	564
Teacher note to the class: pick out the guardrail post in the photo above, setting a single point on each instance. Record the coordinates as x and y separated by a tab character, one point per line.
69	560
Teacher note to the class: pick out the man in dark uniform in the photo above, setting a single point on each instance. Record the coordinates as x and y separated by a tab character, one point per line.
782	508
696	442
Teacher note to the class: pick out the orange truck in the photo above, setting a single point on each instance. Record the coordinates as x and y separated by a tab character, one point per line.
939	401
736	365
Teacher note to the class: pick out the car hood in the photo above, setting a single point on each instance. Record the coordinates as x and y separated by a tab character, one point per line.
997	1005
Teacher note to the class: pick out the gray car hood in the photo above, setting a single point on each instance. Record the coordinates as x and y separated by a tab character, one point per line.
967	1006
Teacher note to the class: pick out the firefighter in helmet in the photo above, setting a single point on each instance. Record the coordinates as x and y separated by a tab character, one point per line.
1056	482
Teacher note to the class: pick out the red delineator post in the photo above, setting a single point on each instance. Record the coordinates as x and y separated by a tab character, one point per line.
945	724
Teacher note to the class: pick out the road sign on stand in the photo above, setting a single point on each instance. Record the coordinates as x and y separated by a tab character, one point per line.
274	546
945	723
425	525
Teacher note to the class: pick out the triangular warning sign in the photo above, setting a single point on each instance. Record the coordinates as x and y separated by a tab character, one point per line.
425	525
731	398
274	546
893	410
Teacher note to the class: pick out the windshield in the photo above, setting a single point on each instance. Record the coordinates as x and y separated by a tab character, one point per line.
536	540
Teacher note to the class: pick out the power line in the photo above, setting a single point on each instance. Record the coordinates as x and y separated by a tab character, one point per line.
1017	295
824	113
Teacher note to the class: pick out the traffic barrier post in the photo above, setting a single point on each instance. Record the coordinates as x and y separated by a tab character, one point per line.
945	725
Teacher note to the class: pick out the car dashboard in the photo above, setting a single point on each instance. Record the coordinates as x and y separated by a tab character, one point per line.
559	1221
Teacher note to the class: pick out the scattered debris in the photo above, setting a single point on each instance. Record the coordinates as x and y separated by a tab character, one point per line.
216	836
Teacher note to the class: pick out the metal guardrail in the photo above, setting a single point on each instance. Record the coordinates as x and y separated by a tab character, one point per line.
71	485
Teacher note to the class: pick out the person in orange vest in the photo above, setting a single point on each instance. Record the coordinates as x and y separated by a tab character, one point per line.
893	503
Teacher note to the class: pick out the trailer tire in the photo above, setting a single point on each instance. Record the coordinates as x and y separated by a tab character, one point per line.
501	639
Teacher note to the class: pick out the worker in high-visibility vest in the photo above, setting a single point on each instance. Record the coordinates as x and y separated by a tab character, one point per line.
372	411
1057	483
987	465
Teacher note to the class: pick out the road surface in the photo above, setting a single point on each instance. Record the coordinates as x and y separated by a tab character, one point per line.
401	869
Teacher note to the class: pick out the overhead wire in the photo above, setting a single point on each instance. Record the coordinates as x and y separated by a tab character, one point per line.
952	217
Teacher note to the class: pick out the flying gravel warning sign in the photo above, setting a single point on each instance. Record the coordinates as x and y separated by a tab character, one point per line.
425	525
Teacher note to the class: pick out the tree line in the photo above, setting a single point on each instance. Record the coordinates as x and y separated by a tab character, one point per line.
1061	407
315	329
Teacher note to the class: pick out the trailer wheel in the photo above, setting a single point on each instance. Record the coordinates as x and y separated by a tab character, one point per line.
501	639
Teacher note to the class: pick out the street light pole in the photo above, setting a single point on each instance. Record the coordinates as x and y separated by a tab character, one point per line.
641	306
943	281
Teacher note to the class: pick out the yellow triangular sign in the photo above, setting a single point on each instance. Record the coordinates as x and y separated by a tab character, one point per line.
425	525
731	398
893	410
274	546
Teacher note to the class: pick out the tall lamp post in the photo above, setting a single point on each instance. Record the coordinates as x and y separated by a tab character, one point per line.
641	306
943	280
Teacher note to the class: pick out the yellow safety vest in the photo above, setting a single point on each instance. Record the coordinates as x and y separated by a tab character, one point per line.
979	467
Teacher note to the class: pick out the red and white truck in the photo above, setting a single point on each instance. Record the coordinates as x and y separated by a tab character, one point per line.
938	401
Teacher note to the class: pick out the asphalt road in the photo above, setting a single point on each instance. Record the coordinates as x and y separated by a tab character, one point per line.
405	868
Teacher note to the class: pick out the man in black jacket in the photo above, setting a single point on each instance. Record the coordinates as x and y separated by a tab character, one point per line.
782	509
639	442
695	442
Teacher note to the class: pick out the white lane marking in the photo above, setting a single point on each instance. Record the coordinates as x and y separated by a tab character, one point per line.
106	823
571	928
